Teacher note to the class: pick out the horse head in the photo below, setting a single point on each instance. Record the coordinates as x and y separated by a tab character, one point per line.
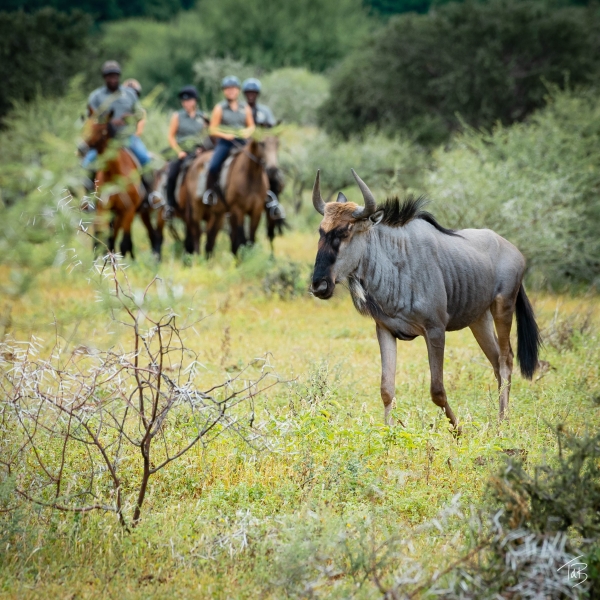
98	130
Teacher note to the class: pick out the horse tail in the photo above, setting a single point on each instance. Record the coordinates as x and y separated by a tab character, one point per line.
528	335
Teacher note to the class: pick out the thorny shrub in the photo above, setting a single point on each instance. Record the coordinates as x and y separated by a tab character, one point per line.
87	429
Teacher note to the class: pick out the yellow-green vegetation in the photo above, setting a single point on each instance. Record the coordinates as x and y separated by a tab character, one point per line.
306	517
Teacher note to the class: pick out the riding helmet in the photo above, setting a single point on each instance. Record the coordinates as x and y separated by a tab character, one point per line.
187	92
111	67
230	81
135	85
251	85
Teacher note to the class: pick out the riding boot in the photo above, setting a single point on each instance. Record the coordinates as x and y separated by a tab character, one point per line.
212	193
148	183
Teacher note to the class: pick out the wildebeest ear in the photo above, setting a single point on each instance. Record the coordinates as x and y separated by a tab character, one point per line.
376	217
341	198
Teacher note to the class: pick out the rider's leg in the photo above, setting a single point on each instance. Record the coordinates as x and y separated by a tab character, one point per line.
214	168
139	149
174	169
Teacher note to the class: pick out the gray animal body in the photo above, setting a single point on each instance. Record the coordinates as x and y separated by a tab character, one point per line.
417	278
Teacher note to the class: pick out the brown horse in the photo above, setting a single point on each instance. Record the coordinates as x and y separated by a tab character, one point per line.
117	186
186	208
245	194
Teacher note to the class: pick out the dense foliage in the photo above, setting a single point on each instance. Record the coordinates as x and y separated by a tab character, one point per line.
102	10
536	183
40	52
484	61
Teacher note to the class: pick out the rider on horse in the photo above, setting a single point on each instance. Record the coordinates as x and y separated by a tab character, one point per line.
232	123
263	117
186	132
123	104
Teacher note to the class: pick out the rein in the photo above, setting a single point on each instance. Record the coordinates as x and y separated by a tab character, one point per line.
242	149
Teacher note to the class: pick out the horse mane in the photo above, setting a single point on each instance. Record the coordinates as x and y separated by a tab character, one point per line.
398	214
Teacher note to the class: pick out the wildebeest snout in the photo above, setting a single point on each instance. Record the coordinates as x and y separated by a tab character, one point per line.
322	287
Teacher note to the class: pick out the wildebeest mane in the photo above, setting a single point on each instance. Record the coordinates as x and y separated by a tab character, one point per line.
398	214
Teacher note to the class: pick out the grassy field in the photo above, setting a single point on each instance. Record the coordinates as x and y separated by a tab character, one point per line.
307	517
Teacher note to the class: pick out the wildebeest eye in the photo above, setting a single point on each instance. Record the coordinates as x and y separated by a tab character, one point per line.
336	242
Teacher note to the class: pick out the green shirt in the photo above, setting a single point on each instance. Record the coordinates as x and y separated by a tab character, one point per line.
189	130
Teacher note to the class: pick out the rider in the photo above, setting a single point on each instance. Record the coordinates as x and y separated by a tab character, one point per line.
136	86
263	117
232	123
125	105
185	136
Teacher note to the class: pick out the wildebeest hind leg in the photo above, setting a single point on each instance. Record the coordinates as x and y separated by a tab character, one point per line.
387	347
502	311
483	330
436	341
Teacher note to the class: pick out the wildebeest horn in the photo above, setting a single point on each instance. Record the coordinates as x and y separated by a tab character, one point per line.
370	204
318	201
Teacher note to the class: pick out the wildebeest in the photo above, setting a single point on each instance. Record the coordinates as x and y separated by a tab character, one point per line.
415	277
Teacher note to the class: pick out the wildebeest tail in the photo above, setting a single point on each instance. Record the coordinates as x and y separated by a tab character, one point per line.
528	335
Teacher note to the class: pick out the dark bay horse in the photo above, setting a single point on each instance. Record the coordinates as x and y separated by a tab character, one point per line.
417	278
118	184
245	194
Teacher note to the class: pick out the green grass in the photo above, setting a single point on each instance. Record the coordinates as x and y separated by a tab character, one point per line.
228	522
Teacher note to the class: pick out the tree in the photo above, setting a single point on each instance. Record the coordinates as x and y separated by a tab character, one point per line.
274	33
40	53
484	61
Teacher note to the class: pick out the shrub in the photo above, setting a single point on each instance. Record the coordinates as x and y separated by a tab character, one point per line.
40	53
294	95
535	183
486	61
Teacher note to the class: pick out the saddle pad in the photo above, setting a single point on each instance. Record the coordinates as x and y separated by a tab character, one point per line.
201	184
225	171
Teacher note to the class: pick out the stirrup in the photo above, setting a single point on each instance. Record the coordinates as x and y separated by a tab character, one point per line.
210	198
156	200
275	208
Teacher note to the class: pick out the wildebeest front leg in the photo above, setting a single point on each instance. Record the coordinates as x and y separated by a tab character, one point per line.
387	347
436	341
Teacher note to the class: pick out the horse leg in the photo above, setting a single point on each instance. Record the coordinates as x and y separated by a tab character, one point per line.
159	234
114	226
145	216
255	221
502	311
483	331
436	341
215	225
236	222
126	242
387	348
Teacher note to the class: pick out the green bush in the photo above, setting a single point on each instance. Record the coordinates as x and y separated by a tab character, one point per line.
294	95
535	183
40	53
485	61
271	34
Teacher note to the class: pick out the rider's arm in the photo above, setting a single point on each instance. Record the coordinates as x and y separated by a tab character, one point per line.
250	127
173	127
141	124
215	123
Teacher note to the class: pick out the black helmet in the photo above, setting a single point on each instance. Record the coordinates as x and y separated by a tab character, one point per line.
187	92
110	67
230	81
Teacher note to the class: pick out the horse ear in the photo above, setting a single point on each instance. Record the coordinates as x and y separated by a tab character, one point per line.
341	198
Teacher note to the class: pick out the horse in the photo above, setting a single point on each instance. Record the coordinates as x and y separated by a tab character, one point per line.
118	186
245	195
415	277
186	208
